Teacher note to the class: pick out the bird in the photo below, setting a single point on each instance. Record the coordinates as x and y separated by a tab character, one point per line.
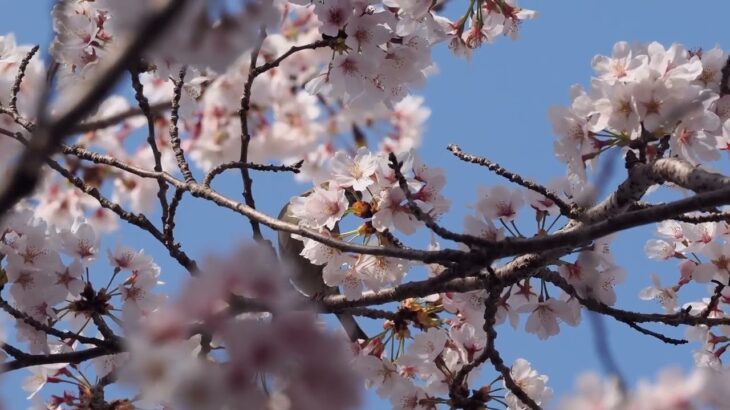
307	277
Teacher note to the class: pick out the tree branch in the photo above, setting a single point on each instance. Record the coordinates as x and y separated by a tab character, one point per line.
47	136
19	78
565	208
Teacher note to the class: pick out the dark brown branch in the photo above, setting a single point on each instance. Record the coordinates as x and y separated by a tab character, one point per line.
698	219
138	220
17	118
246	136
144	105
565	208
674	319
71	358
254	72
442	256
418	212
490	351
182	163
714	300
657	335
104	329
514	271
724	87
168	230
200	191
570	237
62	335
328	42
19	78
259	167
612	224
498	364
458	391
13	351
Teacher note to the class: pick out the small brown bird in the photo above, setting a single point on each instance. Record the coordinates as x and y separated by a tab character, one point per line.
307	277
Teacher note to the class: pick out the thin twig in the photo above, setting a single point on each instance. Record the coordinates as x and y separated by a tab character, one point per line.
565	208
625	316
182	163
259	167
17	118
144	105
246	136
698	219
657	335
62	335
427	219
457	388
138	220
169	226
254	72
200	191
714	300
19	78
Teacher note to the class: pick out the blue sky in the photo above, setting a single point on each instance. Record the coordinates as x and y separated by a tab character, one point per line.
495	105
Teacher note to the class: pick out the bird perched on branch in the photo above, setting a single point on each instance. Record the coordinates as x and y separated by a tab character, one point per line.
307	277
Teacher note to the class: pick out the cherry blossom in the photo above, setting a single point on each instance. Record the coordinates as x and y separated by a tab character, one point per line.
531	382
80	242
667	297
323	89
594	393
500	203
544	316
354	172
324	207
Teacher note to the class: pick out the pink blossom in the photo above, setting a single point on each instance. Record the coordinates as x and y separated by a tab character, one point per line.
323	207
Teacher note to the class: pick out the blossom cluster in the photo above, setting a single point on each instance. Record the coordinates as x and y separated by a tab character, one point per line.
47	270
665	98
703	252
367	187
382	50
88	32
701	388
306	83
418	377
279	359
